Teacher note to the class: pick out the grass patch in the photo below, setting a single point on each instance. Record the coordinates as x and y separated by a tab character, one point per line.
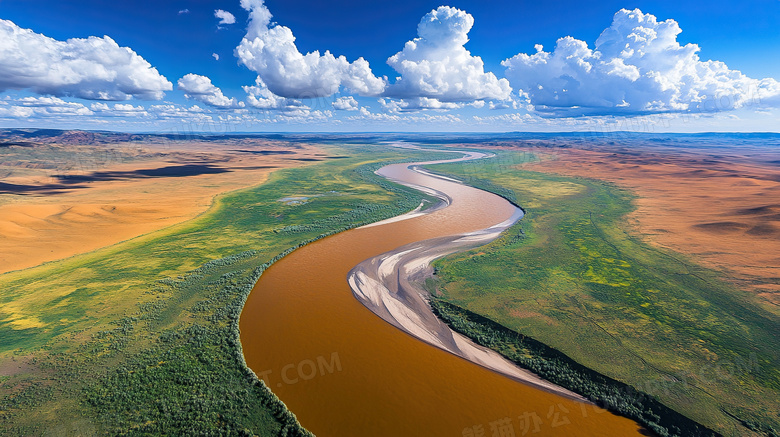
572	277
192	378
556	367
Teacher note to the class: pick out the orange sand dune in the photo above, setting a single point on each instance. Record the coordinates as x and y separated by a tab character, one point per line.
121	200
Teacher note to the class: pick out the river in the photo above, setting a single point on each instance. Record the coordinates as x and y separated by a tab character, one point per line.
344	371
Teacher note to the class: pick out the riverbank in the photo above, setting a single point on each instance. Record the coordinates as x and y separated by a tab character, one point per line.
346	372
573	275
390	285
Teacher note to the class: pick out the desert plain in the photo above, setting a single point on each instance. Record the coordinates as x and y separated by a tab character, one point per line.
76	192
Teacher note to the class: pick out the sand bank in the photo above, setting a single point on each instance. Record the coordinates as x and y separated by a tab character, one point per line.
389	285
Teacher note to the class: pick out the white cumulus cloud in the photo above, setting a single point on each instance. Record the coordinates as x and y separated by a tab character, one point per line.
270	51
436	65
178	112
118	110
225	17
347	103
418	119
636	67
51	107
200	88
418	104
16	112
260	97
90	68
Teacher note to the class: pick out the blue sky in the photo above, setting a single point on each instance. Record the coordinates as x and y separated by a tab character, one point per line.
471	66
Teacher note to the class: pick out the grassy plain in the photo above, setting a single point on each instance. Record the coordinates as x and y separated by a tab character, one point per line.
140	337
571	276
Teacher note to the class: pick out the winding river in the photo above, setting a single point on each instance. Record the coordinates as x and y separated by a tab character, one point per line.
347	371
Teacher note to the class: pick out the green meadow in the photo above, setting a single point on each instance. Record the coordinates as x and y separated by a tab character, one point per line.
141	338
573	276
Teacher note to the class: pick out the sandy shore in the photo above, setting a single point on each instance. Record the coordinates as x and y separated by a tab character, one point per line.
388	285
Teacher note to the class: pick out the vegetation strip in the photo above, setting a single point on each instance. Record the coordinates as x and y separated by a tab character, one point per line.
558	368
172	363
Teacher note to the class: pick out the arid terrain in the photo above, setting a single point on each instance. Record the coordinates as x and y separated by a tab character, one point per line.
74	192
722	206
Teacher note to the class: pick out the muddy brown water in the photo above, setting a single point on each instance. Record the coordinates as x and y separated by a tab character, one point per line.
345	372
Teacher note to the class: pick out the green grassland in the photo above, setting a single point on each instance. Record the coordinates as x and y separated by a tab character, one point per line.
571	275
141	338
